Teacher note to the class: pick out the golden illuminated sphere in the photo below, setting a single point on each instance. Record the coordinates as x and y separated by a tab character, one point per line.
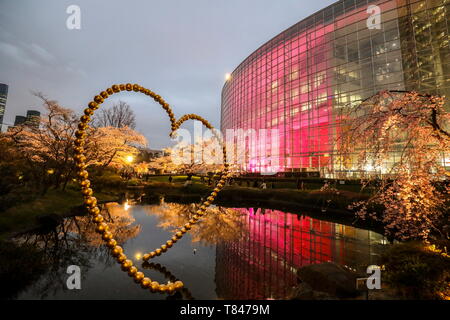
129	86
157	97
170	288
93	105
116	251
142	89
104	94
79	134
158	251
152	254
91	201
174	239
169	243
94	211
81	165
196	216
79	142
222	181
107	236
145	257
183	230
79	158
206	203
127	264
99	99
210	198
145	282
188	226
78	150
102	227
154	286
84	118
111	243
83	174
179	234
136	87
132	271
87	191
115	88
162	288
164	248
216	191
98	218
122	87
178	285
203	207
83	126
192	221
110	91
121	258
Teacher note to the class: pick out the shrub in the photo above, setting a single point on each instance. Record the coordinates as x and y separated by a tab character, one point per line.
417	271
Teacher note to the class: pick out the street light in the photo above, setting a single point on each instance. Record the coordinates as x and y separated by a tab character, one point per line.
129	159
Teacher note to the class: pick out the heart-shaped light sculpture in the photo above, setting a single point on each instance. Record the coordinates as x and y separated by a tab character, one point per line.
91	202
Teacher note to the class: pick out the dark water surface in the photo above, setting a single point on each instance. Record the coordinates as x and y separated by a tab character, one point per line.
243	253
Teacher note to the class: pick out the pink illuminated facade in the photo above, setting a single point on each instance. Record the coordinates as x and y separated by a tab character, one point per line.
297	83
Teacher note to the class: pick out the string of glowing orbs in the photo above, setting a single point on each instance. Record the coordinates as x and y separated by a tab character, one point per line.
91	202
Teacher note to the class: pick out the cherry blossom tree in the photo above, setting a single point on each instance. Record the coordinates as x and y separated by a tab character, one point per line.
48	146
400	140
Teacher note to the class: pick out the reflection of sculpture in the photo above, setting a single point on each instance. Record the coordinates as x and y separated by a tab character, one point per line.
220	224
91	202
168	275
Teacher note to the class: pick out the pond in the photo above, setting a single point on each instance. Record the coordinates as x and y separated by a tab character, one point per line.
233	253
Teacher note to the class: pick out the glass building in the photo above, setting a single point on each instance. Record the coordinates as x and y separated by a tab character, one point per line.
3	97
299	81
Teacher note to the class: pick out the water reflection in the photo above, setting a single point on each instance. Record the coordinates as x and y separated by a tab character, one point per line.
233	253
183	293
264	262
218	225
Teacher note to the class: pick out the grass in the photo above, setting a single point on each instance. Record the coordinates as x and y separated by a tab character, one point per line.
24	215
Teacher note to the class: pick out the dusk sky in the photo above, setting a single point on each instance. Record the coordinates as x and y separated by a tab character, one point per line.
180	49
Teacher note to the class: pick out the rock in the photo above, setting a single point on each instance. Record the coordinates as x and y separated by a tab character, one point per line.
329	278
302	292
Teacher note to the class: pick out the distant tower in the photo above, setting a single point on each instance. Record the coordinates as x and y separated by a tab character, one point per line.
33	118
19	120
3	96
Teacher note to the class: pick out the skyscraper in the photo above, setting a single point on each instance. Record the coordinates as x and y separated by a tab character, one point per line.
19	120
3	96
33	118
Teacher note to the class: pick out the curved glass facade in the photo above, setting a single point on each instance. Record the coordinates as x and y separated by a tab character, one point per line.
298	82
